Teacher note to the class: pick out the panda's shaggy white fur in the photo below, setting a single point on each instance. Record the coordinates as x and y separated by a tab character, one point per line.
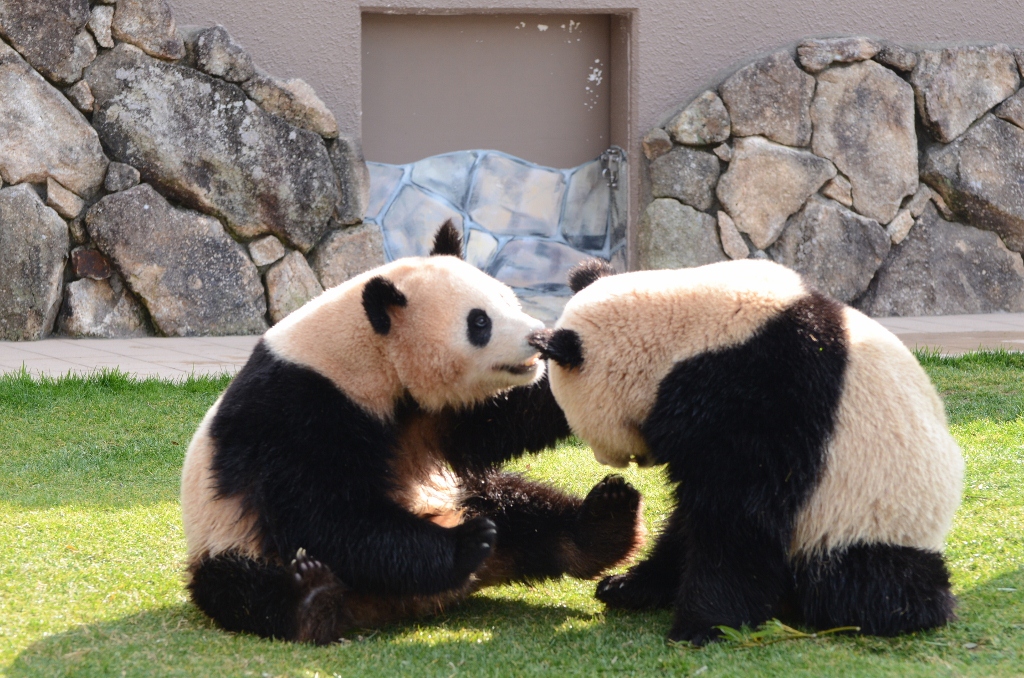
814	470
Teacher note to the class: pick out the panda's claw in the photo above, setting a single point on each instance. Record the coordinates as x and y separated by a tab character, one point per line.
611	498
476	539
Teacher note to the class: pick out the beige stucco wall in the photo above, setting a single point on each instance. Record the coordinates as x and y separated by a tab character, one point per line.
676	47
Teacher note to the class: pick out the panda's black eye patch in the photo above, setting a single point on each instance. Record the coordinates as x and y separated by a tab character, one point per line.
478	327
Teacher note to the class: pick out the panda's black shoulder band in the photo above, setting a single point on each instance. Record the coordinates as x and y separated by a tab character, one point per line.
562	345
447	240
378	295
586	272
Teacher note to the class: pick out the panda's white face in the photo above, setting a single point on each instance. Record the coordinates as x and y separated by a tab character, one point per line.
461	337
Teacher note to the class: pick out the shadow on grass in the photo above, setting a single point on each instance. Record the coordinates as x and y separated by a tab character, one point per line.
179	640
488	636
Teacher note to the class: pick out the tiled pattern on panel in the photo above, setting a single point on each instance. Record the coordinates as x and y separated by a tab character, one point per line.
523	223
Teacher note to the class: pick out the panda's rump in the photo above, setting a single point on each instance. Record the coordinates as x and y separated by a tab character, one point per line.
892	471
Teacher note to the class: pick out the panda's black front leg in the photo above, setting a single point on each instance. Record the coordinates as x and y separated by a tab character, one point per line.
731	575
653	583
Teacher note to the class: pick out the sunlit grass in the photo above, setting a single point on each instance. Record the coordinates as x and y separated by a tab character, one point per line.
92	552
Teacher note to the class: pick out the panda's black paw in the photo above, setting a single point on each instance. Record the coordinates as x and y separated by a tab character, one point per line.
611	499
695	634
631	592
475	541
319	607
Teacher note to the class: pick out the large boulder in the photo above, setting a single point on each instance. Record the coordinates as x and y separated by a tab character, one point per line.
50	35
290	284
836	250
203	142
42	136
864	123
704	121
194	279
767	182
981	178
353	180
770	97
101	309
33	249
686	174
957	85
674	235
347	252
149	25
945	268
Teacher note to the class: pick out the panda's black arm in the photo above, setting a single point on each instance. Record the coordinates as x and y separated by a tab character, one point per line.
524	419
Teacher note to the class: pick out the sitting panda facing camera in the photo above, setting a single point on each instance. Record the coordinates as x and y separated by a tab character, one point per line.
349	475
814	475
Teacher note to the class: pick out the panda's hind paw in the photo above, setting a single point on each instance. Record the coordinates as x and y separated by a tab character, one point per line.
310	574
610	499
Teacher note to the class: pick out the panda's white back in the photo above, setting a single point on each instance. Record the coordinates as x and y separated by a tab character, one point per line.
893	473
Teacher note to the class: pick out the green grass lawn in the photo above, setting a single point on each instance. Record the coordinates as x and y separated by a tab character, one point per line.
92	553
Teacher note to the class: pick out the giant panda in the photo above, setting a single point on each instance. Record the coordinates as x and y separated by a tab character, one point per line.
348	477
814	475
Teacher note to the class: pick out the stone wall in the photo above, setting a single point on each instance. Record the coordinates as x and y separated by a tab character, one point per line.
891	179
154	181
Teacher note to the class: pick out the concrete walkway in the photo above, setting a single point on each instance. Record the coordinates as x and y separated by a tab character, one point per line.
176	358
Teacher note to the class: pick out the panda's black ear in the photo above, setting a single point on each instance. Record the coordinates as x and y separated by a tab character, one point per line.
586	272
378	296
563	346
447	241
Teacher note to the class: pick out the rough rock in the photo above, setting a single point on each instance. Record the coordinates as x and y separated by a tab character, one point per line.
942	207
42	134
290	284
192	277
353	180
66	203
347	252
732	241
77	232
705	121
839	189
81	96
149	25
215	52
766	182
836	250
204	143
657	143
957	85
674	235
817	55
981	177
33	248
723	151
770	97
121	177
1012	110
293	100
101	309
920	200
945	268
864	123
900	226
897	57
99	23
89	263
266	250
46	33
687	175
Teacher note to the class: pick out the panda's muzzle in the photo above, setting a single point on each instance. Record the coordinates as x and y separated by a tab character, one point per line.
520	368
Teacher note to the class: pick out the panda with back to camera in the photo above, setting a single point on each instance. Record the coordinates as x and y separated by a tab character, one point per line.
348	477
814	472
